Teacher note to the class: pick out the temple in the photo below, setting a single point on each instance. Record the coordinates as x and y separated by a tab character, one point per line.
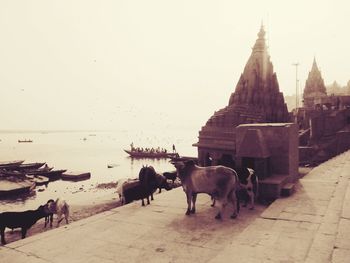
315	90
324	121
257	99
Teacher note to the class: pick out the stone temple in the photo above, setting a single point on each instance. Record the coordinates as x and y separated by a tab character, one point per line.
315	89
257	99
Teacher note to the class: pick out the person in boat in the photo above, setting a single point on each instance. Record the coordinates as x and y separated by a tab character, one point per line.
174	149
132	146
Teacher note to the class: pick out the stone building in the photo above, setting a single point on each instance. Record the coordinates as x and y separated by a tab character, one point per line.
257	99
324	121
253	129
315	90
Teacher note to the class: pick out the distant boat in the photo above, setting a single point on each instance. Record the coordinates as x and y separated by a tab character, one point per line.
25	141
148	154
75	176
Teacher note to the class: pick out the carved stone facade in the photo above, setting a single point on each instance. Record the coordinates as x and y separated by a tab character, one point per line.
257	99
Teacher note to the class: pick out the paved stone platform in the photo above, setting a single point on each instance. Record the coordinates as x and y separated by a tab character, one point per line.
313	225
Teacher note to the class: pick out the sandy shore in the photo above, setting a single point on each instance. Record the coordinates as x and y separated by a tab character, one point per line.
78	211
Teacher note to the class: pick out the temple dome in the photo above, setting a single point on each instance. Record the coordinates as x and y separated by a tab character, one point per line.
256	99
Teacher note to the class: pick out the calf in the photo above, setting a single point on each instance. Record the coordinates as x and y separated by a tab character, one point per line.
248	186
219	182
59	207
24	220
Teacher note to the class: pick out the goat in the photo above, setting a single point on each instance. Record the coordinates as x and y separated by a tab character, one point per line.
219	182
24	220
59	207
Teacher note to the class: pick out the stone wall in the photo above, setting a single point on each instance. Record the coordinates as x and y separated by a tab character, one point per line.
282	142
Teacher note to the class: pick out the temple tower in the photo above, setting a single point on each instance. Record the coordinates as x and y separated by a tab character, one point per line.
315	89
256	99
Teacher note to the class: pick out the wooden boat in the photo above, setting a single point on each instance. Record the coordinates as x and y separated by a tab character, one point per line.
11	188
29	166
20	141
41	170
52	175
144	154
14	173
38	179
11	164
71	176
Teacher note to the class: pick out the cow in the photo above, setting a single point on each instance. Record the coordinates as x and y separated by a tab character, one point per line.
24	220
219	182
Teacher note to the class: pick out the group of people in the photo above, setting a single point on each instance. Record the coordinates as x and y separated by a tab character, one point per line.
151	150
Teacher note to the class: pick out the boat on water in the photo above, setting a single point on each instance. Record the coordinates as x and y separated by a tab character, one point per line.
75	176
149	154
20	141
15	187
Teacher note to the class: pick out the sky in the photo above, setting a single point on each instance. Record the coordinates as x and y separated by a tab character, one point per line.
111	64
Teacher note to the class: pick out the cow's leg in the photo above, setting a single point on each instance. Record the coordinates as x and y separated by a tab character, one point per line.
143	203
51	219
24	232
66	216
148	199
235	203
151	197
189	199
2	231
252	197
59	219
213	201
194	198
218	215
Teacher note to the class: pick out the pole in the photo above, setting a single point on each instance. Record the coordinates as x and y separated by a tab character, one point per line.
296	85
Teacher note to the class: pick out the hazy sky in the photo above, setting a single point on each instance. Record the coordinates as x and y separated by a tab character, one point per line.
69	64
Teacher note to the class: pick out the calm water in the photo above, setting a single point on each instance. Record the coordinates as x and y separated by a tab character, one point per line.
69	150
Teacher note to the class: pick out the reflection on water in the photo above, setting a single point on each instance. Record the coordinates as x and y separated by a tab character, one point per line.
69	150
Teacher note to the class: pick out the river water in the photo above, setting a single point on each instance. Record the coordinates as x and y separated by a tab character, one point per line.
87	151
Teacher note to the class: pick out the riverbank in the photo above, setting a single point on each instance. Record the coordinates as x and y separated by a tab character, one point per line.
78	211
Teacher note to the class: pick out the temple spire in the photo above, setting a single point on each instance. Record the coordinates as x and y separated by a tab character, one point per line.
314	65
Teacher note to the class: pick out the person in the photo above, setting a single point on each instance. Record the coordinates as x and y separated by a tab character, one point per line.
132	146
174	150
